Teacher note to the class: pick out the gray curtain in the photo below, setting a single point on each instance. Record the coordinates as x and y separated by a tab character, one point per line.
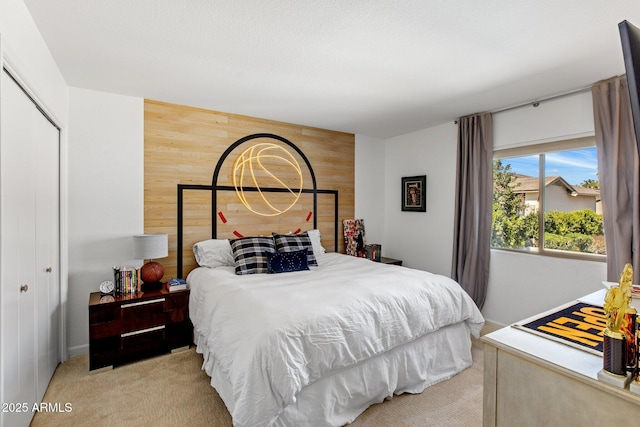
618	170
472	217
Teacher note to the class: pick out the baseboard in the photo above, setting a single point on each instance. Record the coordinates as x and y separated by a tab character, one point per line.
78	350
490	326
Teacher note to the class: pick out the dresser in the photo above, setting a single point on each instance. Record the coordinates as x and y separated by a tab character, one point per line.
533	381
127	328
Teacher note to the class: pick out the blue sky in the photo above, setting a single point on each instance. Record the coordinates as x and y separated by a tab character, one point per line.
574	166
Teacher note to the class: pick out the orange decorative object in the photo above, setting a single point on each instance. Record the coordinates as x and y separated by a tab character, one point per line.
152	272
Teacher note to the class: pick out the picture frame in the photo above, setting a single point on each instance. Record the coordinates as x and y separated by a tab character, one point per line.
414	193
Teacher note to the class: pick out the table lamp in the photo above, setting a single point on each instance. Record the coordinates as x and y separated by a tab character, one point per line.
149	247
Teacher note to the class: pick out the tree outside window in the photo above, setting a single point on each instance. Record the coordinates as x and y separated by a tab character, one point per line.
567	195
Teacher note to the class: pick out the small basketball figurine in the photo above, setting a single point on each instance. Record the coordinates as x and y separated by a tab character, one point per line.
152	272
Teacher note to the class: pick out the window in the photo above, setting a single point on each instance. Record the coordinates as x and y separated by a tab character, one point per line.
546	199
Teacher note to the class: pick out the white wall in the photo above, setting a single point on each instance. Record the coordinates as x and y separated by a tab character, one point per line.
566	117
520	285
369	187
106	198
422	240
26	52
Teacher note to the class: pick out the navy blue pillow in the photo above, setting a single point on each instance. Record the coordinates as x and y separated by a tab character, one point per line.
294	242
284	262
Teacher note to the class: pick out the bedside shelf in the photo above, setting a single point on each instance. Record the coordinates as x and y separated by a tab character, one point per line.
393	261
126	328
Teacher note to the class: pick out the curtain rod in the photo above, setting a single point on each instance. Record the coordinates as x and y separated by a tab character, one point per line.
537	102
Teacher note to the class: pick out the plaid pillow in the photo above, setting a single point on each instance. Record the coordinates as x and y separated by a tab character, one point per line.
285	262
295	242
249	254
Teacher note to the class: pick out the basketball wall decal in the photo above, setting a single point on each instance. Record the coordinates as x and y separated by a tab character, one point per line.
151	272
265	165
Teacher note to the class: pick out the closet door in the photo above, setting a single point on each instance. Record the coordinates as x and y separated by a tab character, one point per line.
29	216
47	220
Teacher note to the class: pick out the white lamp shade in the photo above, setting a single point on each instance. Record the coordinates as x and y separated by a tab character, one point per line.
150	246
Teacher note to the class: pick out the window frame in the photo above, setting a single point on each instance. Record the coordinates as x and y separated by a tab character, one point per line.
540	150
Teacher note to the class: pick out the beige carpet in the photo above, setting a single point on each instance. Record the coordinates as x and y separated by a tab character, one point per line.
172	390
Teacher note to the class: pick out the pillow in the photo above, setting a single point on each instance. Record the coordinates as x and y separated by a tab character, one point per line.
284	262
295	242
214	253
318	249
249	254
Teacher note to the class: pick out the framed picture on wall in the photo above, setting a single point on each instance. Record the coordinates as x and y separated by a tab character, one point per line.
414	193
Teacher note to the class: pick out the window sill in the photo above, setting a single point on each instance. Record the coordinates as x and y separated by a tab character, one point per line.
556	254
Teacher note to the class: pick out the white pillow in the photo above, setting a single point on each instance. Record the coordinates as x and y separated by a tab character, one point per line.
314	235
214	253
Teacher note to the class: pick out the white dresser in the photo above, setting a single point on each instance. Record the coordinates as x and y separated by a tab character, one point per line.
533	381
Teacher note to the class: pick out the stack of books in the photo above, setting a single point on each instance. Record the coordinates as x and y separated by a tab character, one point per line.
176	285
373	251
126	280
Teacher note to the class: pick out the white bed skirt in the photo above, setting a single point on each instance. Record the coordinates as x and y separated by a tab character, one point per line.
339	398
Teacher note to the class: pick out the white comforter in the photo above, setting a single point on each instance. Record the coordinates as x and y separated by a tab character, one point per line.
274	334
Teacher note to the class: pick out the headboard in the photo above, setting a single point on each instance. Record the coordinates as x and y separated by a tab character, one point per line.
257	163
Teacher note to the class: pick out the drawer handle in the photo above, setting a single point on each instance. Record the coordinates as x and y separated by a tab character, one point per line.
141	331
136	304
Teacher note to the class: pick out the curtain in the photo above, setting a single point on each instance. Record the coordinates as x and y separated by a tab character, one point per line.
618	170
472	216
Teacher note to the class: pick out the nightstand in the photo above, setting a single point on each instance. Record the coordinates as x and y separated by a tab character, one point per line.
393	261
126	328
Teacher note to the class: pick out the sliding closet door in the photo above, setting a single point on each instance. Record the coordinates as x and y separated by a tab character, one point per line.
29	216
18	253
47	220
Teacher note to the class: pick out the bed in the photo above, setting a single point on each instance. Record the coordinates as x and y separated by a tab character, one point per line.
325	336
320	345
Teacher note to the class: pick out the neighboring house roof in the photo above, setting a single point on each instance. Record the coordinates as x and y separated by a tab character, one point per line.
588	192
528	184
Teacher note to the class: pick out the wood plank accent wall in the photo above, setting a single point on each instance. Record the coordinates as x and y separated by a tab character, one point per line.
182	145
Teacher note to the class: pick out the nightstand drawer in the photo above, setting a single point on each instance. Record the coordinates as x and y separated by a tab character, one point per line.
143	343
142	308
143	315
127	318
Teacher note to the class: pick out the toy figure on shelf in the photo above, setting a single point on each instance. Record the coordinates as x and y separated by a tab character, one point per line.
628	324
619	336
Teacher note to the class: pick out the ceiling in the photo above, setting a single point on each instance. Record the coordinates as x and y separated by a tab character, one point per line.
380	68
